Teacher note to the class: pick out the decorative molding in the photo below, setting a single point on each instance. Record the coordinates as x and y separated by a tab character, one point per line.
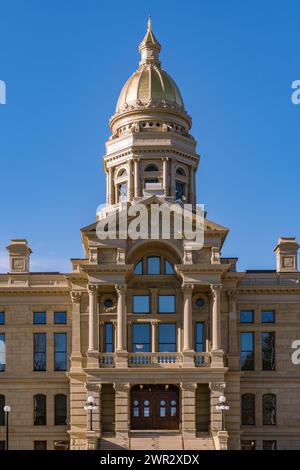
217	387
75	296
122	387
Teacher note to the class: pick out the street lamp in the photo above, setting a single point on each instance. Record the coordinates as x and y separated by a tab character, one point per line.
90	406
222	406
6	409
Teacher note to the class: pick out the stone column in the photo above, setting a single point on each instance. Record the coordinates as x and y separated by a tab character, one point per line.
110	187
121	346
122	404
216	351
76	355
173	183
130	181
93	436
153	336
188	409
233	351
188	352
166	177
187	317
216	390
137	181
93	349
192	186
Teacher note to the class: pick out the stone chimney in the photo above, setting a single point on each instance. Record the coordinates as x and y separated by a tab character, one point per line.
19	254
286	255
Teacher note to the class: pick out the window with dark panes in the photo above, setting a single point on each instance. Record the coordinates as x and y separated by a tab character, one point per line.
269	445
60	407
109	337
60	318
141	337
167	337
2	352
268	316
2	318
269	409
141	303
40	445
39	318
153	265
40	410
166	304
246	316
247	351
268	350
248	409
39	351
60	351
2	414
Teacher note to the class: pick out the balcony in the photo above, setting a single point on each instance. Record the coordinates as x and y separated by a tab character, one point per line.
155	360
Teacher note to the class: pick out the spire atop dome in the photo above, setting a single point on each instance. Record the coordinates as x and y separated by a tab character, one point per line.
149	47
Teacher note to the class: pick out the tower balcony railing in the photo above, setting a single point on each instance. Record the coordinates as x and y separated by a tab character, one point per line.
155	359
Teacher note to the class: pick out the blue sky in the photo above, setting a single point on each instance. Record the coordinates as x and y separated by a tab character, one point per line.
64	63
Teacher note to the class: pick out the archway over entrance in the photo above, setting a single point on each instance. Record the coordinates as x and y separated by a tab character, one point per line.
154	407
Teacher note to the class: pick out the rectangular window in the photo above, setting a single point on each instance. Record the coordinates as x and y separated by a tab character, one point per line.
268	316
141	304
248	445
141	337
60	318
39	318
269	445
60	351
153	265
39	351
40	445
2	352
167	337
199	337
246	316
2	318
268	350
108	337
2	445
166	303
247	351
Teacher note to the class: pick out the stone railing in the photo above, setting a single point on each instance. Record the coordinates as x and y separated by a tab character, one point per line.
157	359
202	359
107	360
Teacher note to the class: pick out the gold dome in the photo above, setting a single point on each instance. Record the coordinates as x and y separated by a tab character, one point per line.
150	84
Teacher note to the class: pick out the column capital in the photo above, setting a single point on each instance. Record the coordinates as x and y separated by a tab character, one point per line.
187	288
75	296
188	387
122	387
121	289
217	387
216	288
92	288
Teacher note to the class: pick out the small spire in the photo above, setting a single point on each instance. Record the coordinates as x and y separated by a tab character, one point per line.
149	47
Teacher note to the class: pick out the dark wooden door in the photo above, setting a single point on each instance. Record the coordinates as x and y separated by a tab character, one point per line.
154	407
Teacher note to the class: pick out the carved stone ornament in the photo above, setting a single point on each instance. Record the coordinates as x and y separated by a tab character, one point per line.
92	288
75	296
189	387
122	387
121	289
217	387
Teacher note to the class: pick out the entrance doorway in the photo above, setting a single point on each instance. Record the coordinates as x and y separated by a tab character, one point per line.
154	407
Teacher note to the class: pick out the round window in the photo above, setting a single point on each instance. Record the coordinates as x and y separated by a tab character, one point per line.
173	402
108	303
136	403
200	302
146	402
162	403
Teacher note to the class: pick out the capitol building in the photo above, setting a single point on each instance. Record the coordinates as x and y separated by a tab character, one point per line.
134	347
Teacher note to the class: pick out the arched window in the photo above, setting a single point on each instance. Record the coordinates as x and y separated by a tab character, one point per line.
40	410
121	172
269	409
151	167
60	406
248	409
2	414
180	171
180	191
122	192
154	266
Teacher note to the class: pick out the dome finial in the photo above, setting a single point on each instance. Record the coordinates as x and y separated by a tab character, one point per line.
149	47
